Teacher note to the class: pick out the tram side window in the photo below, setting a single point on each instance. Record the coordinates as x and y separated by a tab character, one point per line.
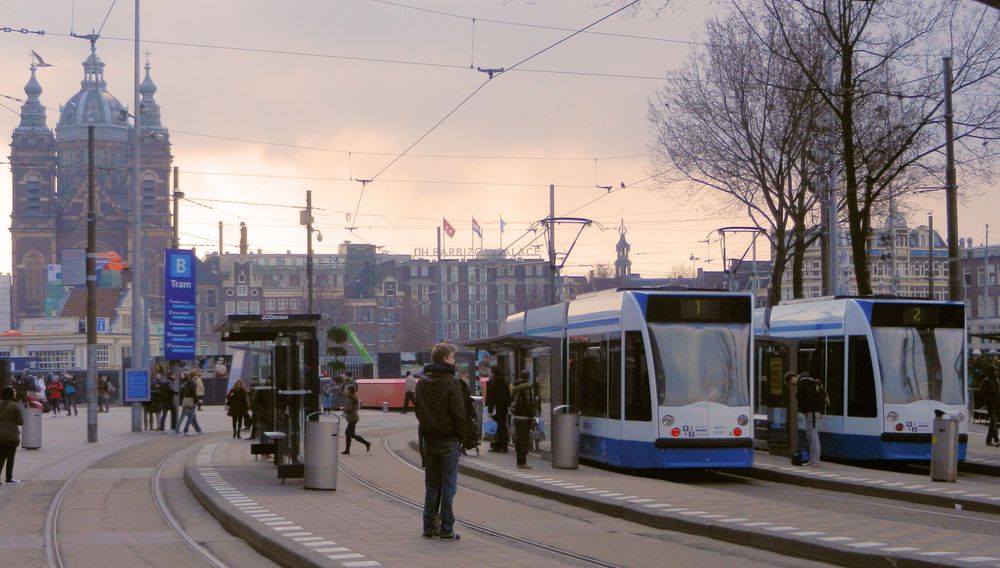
594	378
577	348
637	402
615	379
860	380
835	375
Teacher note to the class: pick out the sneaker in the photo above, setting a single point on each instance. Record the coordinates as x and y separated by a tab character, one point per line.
452	536
523	466
431	534
13	481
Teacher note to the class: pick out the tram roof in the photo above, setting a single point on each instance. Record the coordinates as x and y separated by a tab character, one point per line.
513	342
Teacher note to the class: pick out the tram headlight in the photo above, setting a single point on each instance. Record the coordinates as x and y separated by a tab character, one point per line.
742	420
892	417
667	420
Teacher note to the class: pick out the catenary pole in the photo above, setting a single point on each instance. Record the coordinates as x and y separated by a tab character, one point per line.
955	292
138	272
90	386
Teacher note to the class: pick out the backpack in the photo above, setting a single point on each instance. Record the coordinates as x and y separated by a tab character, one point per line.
522	403
812	395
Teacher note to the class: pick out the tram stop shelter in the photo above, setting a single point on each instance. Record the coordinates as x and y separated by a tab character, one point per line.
542	357
286	399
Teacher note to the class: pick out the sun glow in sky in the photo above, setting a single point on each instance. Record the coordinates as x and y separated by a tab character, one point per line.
266	100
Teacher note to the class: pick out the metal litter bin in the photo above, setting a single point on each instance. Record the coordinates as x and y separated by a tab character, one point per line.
565	437
322	445
944	448
31	431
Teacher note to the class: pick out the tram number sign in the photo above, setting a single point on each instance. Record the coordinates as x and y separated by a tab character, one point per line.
918	315
696	309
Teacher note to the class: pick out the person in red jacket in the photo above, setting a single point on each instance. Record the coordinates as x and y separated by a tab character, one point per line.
55	395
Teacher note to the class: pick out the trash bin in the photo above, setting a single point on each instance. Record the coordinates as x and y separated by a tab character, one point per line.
565	437
322	445
31	431
944	448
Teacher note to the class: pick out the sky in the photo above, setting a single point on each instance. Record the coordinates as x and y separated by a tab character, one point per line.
266	100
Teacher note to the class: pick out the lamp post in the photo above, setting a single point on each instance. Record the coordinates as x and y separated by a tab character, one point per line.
177	195
986	286
138	273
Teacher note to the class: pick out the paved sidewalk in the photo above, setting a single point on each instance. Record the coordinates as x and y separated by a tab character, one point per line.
244	493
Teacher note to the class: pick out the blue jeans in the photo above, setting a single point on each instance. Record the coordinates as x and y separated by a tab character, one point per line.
192	419
440	484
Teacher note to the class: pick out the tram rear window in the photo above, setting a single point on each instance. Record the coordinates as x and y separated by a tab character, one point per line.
917	315
695	309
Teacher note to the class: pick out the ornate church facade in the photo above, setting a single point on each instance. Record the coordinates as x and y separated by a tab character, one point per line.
50	184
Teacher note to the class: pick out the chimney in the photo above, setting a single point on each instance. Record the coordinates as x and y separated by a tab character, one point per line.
243	238
220	238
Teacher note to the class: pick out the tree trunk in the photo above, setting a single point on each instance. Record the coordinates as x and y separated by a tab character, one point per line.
777	267
798	259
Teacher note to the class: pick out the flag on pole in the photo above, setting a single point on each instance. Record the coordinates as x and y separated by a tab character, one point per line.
476	228
448	229
502	224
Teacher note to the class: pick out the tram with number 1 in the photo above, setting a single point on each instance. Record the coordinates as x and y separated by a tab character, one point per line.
662	379
888	365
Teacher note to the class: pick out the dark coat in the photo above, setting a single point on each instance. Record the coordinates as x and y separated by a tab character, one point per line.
497	395
238	402
11	417
440	404
351	406
523	402
989	393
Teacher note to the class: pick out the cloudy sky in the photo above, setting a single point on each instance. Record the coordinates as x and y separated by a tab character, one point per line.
266	100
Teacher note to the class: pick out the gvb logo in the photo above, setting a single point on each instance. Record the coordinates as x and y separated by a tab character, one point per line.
180	266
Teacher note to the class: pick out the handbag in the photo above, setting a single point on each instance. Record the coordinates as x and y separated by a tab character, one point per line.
187	402
489	427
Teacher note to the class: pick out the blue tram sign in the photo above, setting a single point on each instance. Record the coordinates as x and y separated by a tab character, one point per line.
137	388
180	309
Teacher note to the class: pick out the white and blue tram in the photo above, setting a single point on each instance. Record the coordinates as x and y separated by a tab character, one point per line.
662	379
887	364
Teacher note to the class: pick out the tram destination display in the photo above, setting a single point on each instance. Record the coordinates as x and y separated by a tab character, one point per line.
698	309
918	315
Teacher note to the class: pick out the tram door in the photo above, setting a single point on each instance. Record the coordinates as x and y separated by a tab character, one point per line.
773	358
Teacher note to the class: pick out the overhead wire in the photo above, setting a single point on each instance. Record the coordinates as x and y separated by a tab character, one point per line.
106	16
476	90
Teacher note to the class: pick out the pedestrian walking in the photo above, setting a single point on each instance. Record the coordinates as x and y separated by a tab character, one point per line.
149	407
442	422
11	420
55	395
69	394
411	392
989	393
809	397
351	414
498	403
103	394
523	414
199	389
167	404
237	403
189	405
326	389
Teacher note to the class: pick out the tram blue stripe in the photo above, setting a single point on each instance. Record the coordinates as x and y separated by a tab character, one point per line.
575	325
807	327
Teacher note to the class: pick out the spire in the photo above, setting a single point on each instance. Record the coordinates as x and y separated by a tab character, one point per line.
32	111
623	265
148	107
93	69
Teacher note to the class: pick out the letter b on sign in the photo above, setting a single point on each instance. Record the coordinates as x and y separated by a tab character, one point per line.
180	266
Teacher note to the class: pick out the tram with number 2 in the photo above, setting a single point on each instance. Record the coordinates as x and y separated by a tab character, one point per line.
887	364
662	379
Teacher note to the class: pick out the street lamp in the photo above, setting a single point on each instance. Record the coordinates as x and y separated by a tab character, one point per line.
694	271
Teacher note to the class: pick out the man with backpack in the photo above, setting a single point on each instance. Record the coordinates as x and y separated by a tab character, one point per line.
989	393
812	400
523	413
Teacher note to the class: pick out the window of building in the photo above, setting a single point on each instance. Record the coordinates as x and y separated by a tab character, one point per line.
241	290
210	298
282	303
34	197
242	307
254	307
148	195
54	360
425	271
294	303
269	304
103	356
230	308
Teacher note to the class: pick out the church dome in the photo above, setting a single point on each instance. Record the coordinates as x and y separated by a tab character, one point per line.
93	104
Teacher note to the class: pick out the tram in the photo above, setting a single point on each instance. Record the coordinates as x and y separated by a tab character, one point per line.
662	379
888	365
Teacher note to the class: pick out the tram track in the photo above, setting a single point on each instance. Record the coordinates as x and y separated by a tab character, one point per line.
54	538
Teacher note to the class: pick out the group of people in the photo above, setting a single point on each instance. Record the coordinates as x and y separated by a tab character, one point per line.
446	416
53	393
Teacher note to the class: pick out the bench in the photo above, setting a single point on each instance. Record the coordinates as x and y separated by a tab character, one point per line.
291	470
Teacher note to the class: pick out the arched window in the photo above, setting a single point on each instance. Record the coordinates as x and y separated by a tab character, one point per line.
31	282
149	194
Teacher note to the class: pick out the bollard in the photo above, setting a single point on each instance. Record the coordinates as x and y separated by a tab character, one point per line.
385	406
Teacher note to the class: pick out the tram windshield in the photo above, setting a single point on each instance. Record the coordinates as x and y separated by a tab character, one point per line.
920	364
701	362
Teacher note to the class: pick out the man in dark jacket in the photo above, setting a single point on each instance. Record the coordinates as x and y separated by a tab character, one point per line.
498	401
167	403
441	415
989	392
523	403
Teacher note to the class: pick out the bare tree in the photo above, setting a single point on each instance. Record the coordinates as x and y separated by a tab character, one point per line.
881	82
738	120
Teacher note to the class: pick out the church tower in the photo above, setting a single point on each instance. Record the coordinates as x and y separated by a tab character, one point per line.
623	266
33	163
56	219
